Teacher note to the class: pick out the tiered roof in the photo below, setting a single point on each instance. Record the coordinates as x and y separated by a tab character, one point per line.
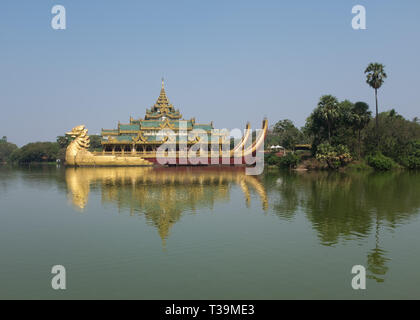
162	115
162	107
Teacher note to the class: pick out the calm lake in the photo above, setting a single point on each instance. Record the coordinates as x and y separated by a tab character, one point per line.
207	233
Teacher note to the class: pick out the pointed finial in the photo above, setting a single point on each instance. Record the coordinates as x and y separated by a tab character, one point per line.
163	83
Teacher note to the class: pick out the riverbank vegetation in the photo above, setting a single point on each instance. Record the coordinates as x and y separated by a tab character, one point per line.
342	133
6	149
40	152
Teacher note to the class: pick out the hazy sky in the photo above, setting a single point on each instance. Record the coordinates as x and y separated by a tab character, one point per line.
226	61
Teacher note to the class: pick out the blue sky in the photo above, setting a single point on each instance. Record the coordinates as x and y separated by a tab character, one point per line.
226	61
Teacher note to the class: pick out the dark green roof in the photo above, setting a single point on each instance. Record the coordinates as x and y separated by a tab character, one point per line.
203	126
124	138
129	127
158	123
178	123
150	124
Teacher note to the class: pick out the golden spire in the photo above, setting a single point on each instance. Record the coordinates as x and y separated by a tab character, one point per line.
163	100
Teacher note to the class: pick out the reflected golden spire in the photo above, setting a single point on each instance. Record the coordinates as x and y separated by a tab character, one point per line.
162	195
246	192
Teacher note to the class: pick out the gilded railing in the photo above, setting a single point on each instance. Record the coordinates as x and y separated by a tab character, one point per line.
153	153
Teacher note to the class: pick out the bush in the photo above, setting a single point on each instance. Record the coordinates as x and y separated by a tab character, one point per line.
313	164
411	159
380	162
359	166
413	162
394	137
334	157
290	161
271	159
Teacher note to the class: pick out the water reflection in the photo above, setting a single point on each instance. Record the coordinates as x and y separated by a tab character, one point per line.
342	208
349	207
161	194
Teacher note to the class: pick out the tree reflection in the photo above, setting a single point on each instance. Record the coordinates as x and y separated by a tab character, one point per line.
343	207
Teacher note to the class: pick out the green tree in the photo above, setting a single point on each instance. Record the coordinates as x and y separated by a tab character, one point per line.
375	77
288	135
329	112
6	150
36	152
360	119
324	119
412	159
289	161
95	142
334	157
394	137
63	141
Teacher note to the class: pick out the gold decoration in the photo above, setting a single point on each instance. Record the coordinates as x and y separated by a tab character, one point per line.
77	153
161	195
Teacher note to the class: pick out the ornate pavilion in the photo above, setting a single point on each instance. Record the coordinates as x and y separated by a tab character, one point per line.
142	137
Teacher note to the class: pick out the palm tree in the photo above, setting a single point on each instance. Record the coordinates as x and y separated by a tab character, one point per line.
375	77
328	108
360	119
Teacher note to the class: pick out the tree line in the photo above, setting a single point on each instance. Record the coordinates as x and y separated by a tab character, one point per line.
343	132
40	152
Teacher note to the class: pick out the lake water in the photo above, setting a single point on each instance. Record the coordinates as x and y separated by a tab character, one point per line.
207	233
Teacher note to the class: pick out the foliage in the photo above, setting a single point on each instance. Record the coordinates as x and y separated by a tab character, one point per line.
36	152
61	155
380	162
290	161
334	157
63	141
6	149
95	142
325	116
358	166
394	138
360	118
375	77
271	159
412	159
285	133
332	122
